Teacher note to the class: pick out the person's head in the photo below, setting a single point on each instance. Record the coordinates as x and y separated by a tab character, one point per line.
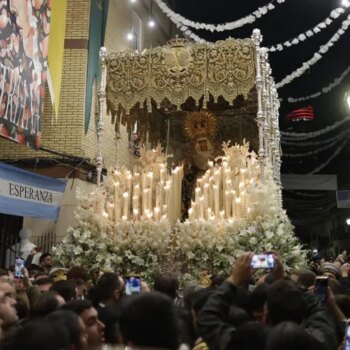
108	288
304	277
330	270
44	284
189	293
285	302
148	320
73	324
66	289
238	316
41	335
77	273
167	283
257	301
94	328
249	336
290	336
198	301
45	260
8	312
47	303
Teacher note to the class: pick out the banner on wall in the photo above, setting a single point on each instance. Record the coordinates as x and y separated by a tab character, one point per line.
24	193
24	40
98	22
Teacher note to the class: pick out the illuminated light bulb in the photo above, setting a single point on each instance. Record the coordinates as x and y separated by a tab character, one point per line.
130	36
345	3
151	23
133	1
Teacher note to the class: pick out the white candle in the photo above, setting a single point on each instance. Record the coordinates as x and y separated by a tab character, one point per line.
156	214
144	202
228	203
216	200
201	208
135	202
190	214
126	204
117	203
136	214
197	194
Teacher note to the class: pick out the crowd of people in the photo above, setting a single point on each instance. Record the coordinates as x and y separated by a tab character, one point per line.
55	308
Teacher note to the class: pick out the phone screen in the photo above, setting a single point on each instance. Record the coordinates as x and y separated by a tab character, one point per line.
19	264
263	261
132	285
347	338
321	285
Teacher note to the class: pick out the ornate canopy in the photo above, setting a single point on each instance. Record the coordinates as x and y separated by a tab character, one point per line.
180	70
183	77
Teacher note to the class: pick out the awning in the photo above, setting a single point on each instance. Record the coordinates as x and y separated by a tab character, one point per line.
24	193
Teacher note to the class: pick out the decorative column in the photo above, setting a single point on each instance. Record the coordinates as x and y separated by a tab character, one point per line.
257	39
102	105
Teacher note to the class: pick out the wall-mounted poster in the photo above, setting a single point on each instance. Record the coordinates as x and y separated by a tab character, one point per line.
24	40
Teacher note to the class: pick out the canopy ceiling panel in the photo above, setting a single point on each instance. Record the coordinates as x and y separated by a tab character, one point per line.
178	71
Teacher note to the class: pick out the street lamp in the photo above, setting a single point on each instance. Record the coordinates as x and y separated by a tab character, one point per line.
347	221
130	36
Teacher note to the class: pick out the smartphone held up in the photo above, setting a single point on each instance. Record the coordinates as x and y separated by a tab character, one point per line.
321	286
263	261
132	285
19	265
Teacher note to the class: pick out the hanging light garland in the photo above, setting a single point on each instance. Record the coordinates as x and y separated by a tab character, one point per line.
181	21
335	154
311	153
309	33
309	135
297	143
324	90
317	56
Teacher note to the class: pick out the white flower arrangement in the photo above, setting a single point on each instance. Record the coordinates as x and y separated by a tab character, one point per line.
191	248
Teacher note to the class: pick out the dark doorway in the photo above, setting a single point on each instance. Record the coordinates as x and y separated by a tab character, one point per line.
10	226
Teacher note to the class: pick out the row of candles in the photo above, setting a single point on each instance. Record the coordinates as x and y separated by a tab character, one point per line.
223	191
145	195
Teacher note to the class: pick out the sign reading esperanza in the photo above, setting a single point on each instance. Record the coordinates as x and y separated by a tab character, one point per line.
24	193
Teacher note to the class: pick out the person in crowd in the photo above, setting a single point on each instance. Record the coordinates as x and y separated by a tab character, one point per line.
8	312
149	320
291	336
304	277
168	284
285	302
79	275
258	300
45	262
330	270
198	300
47	303
74	326
66	289
40	335
108	290
342	257
94	328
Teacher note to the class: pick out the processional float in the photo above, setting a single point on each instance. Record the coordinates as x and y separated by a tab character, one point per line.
208	203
